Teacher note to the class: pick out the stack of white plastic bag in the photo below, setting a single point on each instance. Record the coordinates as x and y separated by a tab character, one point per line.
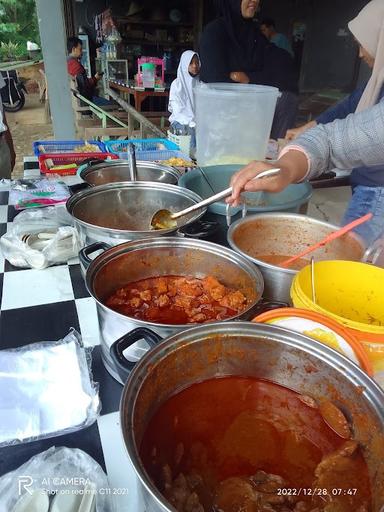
40	238
46	389
59	479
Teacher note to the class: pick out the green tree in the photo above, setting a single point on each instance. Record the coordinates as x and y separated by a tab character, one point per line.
18	24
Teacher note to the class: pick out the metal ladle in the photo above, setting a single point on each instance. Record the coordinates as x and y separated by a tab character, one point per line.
132	161
164	219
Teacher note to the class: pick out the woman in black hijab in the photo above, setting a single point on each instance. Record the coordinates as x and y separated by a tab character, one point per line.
233	49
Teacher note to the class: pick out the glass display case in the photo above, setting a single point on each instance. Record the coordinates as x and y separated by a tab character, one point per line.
117	70
113	69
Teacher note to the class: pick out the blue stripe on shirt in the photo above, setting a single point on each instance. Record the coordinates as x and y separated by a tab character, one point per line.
367	176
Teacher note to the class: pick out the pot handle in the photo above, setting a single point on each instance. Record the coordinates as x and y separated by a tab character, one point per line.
84	253
201	229
73	189
123	366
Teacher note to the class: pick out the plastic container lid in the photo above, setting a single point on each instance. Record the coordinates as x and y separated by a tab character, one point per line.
320	328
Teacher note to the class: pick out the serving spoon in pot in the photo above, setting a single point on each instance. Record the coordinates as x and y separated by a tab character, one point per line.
164	219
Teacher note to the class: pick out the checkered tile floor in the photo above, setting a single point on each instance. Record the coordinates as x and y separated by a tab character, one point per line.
42	305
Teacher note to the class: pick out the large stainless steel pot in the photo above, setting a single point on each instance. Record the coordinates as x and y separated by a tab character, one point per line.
118	212
140	259
118	171
253	350
288	234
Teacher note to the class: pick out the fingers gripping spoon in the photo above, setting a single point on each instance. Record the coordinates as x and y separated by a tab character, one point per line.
164	219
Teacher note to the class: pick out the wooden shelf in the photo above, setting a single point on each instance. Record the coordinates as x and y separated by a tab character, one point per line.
158	43
123	19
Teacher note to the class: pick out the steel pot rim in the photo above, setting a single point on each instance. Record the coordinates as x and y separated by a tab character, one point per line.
280	215
140	163
372	392
73	200
153	243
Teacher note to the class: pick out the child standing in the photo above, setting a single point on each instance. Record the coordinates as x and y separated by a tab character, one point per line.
181	100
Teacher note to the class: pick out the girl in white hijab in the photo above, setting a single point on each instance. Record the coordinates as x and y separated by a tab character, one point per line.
181	101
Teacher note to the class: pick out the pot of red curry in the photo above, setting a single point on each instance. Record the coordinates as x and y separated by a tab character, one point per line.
268	239
241	417
166	285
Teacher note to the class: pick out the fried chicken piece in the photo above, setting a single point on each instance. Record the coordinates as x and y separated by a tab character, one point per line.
233	300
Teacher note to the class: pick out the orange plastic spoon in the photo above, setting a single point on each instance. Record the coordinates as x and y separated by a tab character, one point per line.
327	239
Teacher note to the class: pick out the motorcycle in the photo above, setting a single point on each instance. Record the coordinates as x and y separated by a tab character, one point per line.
13	94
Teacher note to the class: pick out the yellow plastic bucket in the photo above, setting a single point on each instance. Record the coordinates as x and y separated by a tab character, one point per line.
351	293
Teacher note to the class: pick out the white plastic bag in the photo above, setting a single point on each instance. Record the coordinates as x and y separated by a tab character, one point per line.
40	238
46	389
57	471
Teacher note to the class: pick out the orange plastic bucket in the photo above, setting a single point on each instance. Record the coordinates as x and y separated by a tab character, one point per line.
320	328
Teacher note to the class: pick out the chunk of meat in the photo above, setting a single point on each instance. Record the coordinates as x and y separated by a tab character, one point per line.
166	477
214	288
162	301
336	463
193	504
189	287
183	302
180	494
146	295
233	300
122	292
135	302
235	495
161	285
198	318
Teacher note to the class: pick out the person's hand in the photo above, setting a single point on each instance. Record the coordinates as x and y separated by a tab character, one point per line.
239	77
243	181
293	168
98	76
295	132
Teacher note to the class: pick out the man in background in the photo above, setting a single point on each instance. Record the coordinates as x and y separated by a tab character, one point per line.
268	28
86	86
7	150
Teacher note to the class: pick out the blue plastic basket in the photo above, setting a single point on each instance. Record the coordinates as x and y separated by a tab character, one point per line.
121	146
156	156
42	147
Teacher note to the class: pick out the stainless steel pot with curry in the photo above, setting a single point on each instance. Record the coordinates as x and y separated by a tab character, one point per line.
268	239
241	417
167	285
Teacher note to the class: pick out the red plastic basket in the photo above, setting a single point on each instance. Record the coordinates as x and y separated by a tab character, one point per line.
69	158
